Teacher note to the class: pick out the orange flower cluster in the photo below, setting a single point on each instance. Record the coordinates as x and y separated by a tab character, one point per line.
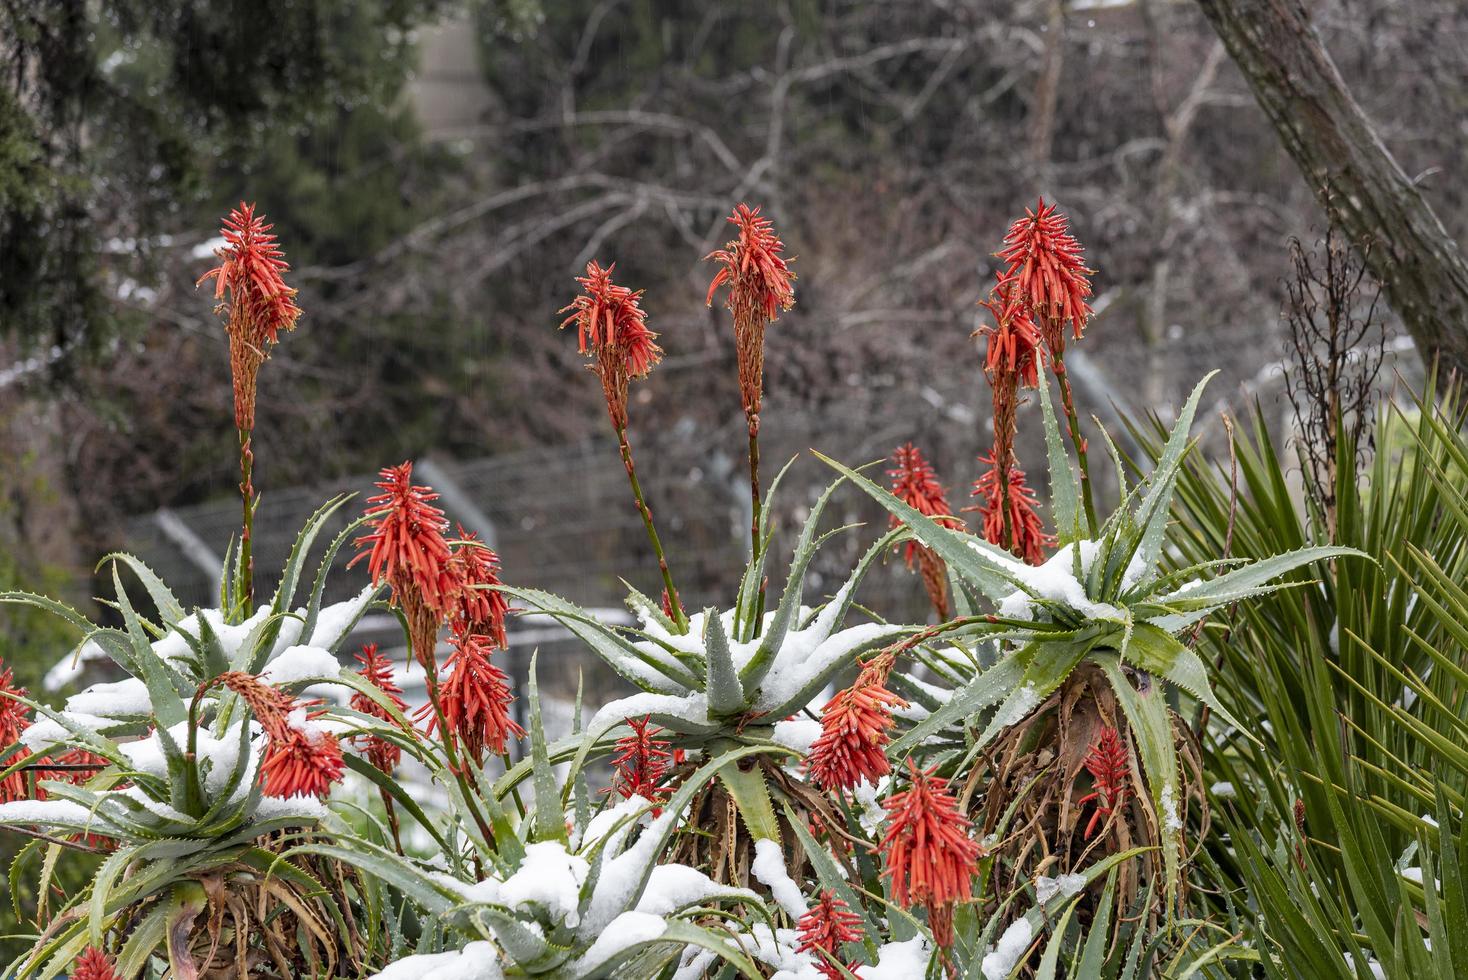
996	496
477	608
259	304
856	726
760	286
376	670
13	721
1047	273
931	860
474	699
408	551
829	923
915	484
612	327
300	757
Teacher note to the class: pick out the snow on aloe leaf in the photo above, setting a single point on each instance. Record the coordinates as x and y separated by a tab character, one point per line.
1055	581
1000	963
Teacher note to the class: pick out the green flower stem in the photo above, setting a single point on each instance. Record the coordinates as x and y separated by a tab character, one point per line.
1057	362
247	529
652	532
757	509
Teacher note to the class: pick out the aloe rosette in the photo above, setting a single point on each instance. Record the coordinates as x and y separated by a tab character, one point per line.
1104	598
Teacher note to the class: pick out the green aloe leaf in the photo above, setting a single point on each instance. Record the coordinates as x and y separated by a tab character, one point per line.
725	692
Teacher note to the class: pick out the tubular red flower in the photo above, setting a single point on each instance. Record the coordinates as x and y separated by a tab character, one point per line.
1051	279
74	766
829	923
1012	346
250	269
13	721
641	763
931	860
472	566
408	549
376	670
856	726
1030	538
301	759
270	705
611	326
94	964
759	278
915	484
474	699
1110	770
760	285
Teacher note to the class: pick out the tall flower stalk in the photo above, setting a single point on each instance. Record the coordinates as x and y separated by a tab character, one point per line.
916	484
760	286
1011	362
256	304
612	330
1047	281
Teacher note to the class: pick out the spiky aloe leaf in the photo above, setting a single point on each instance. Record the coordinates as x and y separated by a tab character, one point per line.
318	586
654	674
163	690
988	688
1047	663
1065	495
550	819
1151	723
725	692
764	656
169	608
988	569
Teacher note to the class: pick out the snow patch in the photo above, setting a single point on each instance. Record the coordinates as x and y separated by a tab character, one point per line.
549	877
1055	581
625	931
769	869
304	808
1171	816
672	887
476	961
1065	885
899	961
301	663
1000	963
123	699
1224	791
798	734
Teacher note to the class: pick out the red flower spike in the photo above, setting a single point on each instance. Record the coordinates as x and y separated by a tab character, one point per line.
931	860
611	326
856	726
408	549
829	923
250	269
641	763
1110	772
1051	279
915	484
473	565
13	721
94	964
1012	348
376	670
1030	538
759	278
474	699
301	759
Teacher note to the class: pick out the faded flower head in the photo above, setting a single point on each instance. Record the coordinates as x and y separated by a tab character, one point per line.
829	924
931	860
640	763
1049	273
856	726
474	699
611	326
1030	538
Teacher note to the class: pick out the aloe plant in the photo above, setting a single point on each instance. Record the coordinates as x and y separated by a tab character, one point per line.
176	799
563	896
1104	599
